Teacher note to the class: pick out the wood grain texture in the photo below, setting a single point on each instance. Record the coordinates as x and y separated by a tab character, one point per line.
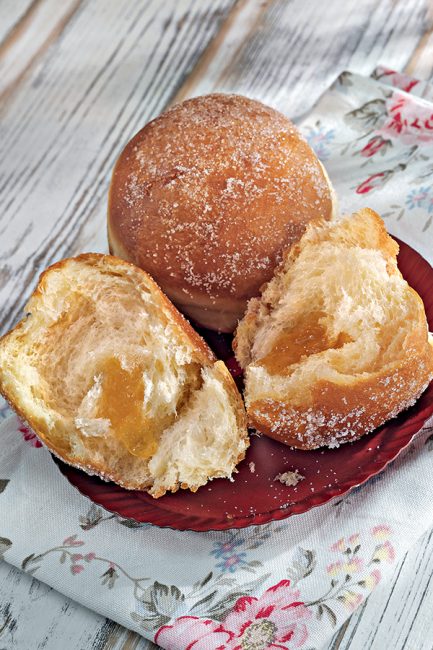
398	613
296	49
34	617
11	14
420	63
63	128
33	33
78	87
242	22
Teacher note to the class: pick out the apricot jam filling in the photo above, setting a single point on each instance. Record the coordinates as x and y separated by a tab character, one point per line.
121	402
307	337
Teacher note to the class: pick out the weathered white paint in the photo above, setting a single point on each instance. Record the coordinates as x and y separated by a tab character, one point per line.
35	617
39	27
11	13
398	615
80	79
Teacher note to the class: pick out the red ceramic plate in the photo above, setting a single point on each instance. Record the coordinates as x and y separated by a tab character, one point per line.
254	497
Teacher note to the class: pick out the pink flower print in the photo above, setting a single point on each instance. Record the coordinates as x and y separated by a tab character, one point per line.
384	553
89	557
354	565
351	600
339	546
374	181
375	144
76	569
231	562
193	633
29	436
72	541
266	622
381	532
276	618
335	568
408	120
372	580
353	539
397	79
76	557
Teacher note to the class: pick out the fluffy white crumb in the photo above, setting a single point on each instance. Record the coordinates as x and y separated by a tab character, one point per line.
289	478
252	467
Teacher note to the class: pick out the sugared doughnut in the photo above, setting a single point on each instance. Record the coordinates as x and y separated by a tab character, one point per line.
207	196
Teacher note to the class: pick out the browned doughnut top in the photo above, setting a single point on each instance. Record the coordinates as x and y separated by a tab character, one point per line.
206	196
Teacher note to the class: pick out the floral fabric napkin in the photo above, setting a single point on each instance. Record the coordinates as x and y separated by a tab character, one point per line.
288	584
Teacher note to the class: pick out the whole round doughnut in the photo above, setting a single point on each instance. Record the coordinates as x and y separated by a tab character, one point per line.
207	196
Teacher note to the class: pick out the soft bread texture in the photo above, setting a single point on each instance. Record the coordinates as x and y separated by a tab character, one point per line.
207	196
338	341
115	381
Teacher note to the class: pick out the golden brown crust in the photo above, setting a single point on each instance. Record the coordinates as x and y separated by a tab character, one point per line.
338	414
98	469
203	355
206	197
244	334
331	413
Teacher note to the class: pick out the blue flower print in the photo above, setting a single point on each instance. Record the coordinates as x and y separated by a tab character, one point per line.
421	197
223	549
231	562
318	138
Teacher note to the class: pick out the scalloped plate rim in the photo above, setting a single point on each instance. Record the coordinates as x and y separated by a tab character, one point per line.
192	522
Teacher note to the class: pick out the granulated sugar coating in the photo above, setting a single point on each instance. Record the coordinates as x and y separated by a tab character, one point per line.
338	342
206	197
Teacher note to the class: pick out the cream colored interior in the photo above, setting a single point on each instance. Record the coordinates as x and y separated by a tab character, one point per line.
328	316
112	377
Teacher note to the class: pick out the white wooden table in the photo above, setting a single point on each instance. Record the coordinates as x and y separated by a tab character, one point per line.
77	79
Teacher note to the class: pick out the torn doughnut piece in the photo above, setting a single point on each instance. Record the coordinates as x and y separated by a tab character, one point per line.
337	344
114	380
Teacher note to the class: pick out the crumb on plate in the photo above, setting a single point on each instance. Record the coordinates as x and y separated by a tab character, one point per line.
289	478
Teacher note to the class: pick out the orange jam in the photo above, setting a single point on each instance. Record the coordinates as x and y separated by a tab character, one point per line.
121	402
308	336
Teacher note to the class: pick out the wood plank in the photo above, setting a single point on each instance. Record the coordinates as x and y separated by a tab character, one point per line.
11	14
297	48
35	617
37	29
398	613
67	122
420	64
242	22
